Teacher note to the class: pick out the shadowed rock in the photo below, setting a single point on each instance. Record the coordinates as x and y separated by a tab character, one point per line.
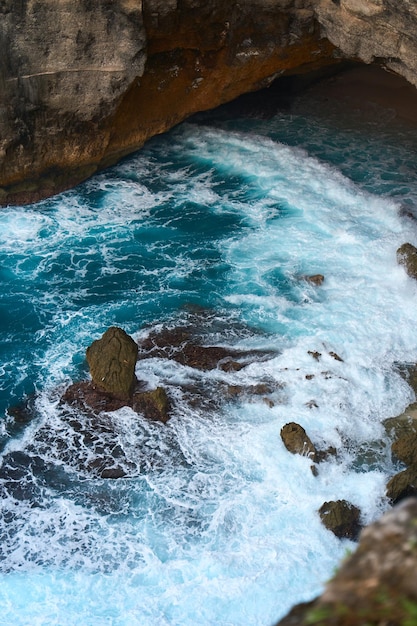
342	518
112	361
402	485
407	256
153	404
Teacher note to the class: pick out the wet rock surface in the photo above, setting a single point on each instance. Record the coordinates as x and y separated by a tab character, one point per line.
184	345
342	518
297	441
91	416
407	256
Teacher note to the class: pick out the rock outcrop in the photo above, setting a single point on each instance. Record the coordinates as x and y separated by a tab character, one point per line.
112	361
377	585
373	30
342	518
407	256
83	84
296	440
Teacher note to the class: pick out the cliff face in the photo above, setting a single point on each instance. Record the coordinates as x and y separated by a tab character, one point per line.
381	30
82	83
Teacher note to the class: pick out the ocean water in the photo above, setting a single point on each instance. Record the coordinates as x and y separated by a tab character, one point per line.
215	226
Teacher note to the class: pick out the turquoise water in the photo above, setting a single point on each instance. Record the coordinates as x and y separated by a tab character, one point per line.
215	224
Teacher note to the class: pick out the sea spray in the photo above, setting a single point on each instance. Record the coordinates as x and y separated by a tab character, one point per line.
214	522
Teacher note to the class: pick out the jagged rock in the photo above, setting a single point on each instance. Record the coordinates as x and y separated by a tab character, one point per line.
297	441
112	361
78	97
316	355
377	584
407	256
336	357
402	485
324	455
153	404
342	518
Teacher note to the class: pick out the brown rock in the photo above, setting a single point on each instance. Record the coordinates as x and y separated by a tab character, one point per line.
402	426
297	441
182	344
77	95
402	485
407	256
112	361
342	518
405	449
315	279
153	404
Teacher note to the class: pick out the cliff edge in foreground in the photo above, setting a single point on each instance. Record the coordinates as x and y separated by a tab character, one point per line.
375	586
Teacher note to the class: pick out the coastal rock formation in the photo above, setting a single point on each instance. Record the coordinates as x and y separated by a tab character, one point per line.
83	84
341	518
377	585
112	361
297	441
373	30
407	256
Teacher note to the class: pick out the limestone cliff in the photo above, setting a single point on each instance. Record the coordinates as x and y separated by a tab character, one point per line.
83	83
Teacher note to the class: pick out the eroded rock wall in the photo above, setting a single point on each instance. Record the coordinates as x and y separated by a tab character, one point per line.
83	83
64	64
374	30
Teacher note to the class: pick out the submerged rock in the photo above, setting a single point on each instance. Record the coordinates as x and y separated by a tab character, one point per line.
112	361
184	345
407	256
377	585
342	518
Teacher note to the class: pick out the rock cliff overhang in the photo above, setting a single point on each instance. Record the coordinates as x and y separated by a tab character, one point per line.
85	83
